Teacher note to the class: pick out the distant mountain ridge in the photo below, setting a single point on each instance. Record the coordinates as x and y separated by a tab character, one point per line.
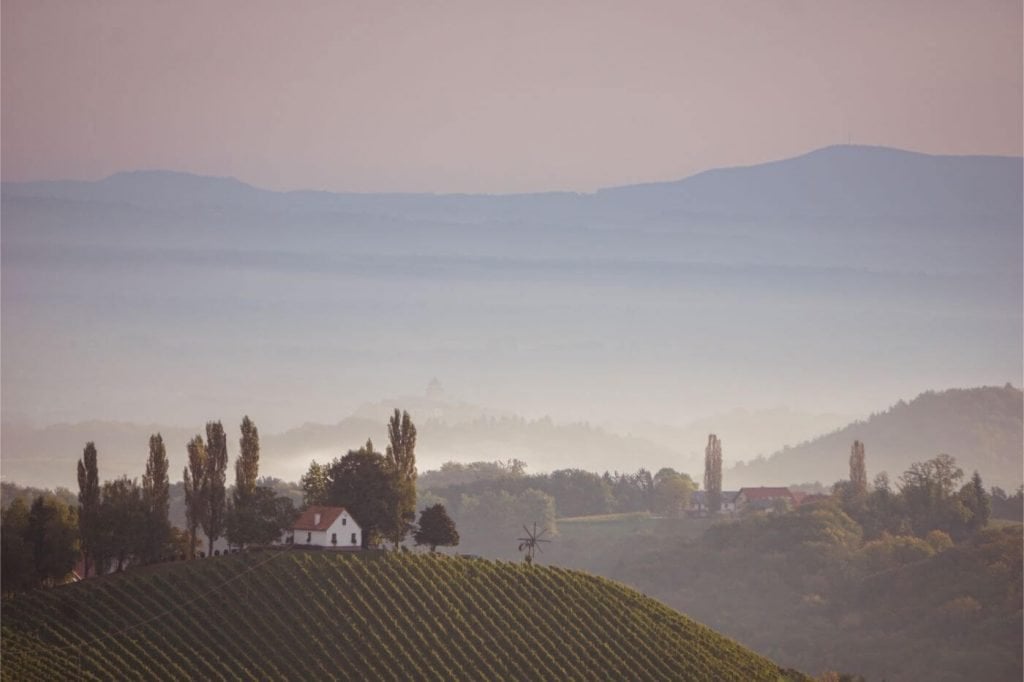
981	427
844	181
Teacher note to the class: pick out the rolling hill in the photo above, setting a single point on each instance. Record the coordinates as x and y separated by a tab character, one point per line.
981	427
319	615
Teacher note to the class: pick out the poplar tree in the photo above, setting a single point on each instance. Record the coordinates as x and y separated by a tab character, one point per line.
400	456
713	473
156	497
214	495
194	476
88	505
858	469
247	465
242	517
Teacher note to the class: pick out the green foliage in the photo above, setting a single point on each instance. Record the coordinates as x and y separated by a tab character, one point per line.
713	473
17	557
576	492
458	473
253	515
123	523
214	495
579	491
53	536
858	468
401	463
194	476
436	528
262	520
315	615
89	504
1007	507
977	502
39	543
361	481
156	501
805	587
315	484
247	466
672	493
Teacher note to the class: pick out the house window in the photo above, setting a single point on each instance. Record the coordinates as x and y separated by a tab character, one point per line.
353	538
309	537
334	538
344	521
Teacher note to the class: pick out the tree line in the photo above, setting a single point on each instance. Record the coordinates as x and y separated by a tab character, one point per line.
576	492
930	496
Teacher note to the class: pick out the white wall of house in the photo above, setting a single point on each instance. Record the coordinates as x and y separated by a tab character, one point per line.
344	529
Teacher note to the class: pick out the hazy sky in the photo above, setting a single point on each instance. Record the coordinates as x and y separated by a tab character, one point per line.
498	97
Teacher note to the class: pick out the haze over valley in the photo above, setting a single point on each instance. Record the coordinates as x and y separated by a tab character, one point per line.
165	298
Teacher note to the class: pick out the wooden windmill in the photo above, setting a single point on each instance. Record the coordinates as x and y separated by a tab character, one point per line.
531	544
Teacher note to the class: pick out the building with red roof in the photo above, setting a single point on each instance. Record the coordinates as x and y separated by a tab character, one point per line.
331	527
764	498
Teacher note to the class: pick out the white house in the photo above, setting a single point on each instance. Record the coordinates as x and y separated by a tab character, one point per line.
699	502
326	527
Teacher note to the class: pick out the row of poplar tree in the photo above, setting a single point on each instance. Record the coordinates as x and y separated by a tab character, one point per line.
123	522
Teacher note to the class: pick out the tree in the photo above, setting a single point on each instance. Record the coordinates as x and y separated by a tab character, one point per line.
88	504
156	498
858	470
436	528
929	495
315	484
645	483
713	473
361	481
400	455
672	493
194	476
580	493
123	518
247	466
242	515
214	483
17	558
262	520
976	500
52	533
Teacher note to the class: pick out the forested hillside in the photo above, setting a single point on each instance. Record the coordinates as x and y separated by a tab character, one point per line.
980	427
300	615
806	589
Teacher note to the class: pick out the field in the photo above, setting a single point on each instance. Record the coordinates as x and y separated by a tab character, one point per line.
320	615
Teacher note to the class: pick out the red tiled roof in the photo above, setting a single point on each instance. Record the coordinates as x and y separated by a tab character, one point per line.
327	517
765	493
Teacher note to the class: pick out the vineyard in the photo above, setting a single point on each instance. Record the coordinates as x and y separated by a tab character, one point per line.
319	615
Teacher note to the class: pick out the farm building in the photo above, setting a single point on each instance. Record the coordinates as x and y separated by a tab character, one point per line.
699	502
763	498
326	527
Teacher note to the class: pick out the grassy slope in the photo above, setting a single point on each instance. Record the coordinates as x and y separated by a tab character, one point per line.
319	615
